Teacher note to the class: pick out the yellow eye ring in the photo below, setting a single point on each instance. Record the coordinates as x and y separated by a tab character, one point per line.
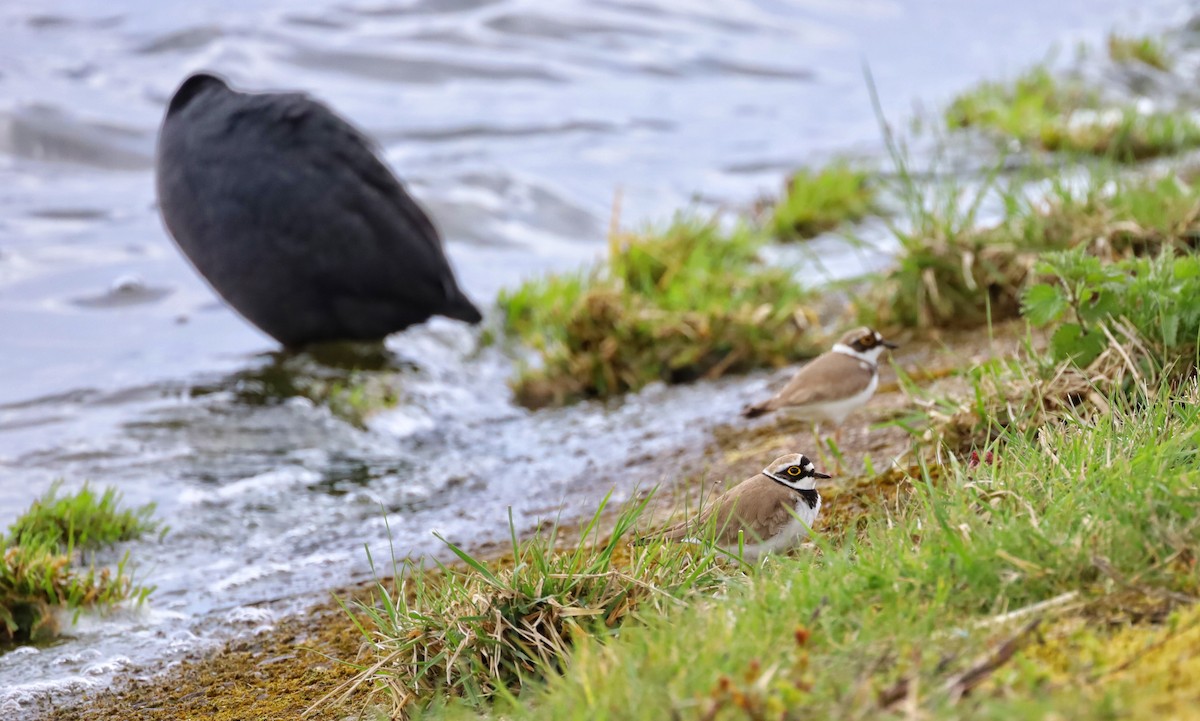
794	471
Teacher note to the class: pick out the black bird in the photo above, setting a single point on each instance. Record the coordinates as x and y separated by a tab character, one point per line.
289	214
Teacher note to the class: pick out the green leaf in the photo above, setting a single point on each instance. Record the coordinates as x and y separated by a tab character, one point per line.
1170	328
1186	268
1043	304
1071	342
1097	305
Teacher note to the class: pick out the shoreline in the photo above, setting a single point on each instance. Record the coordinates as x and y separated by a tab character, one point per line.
281	672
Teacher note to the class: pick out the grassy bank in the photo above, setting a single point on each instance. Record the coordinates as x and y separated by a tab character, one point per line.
40	572
868	625
1006	579
1036	556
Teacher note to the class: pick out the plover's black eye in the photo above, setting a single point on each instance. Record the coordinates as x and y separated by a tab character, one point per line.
795	470
867	341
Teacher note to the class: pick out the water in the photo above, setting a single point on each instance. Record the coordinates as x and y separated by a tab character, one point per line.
515	122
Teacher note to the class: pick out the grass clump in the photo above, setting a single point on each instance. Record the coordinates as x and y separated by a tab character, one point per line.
950	272
691	301
38	570
815	202
1146	50
83	519
1064	115
479	632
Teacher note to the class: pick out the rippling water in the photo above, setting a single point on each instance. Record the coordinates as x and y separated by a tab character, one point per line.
515	122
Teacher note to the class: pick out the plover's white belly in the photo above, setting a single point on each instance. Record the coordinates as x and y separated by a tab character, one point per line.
788	536
834	411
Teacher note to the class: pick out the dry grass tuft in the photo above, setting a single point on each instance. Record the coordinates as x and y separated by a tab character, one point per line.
477	632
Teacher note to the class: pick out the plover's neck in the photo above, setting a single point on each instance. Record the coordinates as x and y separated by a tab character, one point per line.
810	497
871	356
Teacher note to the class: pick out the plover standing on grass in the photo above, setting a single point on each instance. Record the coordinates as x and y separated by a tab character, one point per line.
833	385
772	510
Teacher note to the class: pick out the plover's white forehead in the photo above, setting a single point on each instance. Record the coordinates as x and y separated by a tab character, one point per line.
791	459
852	335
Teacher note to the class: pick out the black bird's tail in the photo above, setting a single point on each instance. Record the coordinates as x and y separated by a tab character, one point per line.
459	307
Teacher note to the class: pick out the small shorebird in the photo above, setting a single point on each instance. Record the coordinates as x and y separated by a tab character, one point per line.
833	385
773	510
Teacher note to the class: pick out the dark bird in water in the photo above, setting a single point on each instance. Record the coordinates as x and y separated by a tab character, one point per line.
289	214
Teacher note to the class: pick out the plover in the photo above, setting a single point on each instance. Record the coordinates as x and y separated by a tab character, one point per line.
833	385
773	510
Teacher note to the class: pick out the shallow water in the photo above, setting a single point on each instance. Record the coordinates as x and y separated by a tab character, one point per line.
515	122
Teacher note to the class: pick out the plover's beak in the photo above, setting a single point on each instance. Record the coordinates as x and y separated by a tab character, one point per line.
889	344
818	474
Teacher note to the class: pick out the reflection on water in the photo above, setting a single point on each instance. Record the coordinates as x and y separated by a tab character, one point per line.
516	123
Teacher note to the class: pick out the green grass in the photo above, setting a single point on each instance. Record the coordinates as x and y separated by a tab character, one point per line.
39	573
478	631
824	637
1047	112
687	302
84	520
1146	50
953	272
815	202
907	610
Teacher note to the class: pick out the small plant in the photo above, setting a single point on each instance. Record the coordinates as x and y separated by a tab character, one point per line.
815	202
361	395
476	631
1153	297
38	574
1146	50
692	301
